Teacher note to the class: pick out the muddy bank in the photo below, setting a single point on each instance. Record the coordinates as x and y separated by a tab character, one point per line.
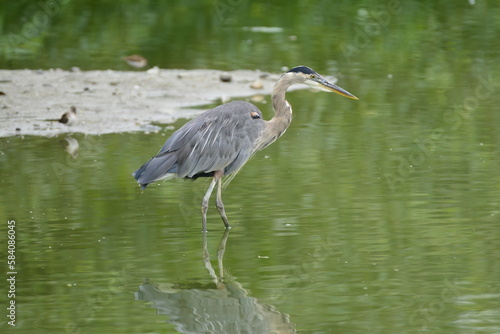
32	101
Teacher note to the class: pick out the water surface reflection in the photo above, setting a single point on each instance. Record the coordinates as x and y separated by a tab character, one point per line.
223	306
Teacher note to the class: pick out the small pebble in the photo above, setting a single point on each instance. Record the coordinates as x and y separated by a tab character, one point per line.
225	77
153	70
257	98
257	84
136	61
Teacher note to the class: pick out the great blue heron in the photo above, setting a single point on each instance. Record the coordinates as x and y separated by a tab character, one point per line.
220	141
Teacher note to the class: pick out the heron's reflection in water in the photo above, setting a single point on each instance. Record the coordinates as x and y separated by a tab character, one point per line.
221	307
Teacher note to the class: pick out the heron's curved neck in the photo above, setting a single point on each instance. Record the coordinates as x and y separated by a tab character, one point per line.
282	109
277	125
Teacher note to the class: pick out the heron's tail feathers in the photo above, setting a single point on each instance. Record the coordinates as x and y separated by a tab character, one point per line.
157	168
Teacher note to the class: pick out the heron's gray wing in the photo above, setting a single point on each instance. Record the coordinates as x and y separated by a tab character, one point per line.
224	141
218	139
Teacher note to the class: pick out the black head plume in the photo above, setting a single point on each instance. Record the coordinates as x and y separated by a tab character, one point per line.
302	69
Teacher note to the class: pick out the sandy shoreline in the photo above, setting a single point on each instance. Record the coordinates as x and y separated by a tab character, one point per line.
113	101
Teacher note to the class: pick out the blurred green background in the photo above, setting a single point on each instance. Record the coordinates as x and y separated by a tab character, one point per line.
94	35
372	216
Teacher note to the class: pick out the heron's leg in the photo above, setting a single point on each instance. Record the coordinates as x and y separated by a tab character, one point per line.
219	204
204	205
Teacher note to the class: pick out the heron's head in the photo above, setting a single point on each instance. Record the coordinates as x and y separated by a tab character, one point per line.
306	75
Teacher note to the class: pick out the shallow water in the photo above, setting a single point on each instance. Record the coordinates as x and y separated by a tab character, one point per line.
372	216
320	241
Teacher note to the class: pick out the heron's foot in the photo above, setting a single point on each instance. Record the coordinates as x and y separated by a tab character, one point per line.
226	222
222	212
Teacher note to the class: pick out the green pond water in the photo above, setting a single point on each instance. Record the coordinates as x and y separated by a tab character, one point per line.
374	216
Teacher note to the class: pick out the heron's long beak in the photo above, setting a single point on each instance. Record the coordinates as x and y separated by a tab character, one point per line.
323	84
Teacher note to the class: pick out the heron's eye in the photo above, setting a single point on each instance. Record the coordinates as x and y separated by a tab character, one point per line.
254	115
312	76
